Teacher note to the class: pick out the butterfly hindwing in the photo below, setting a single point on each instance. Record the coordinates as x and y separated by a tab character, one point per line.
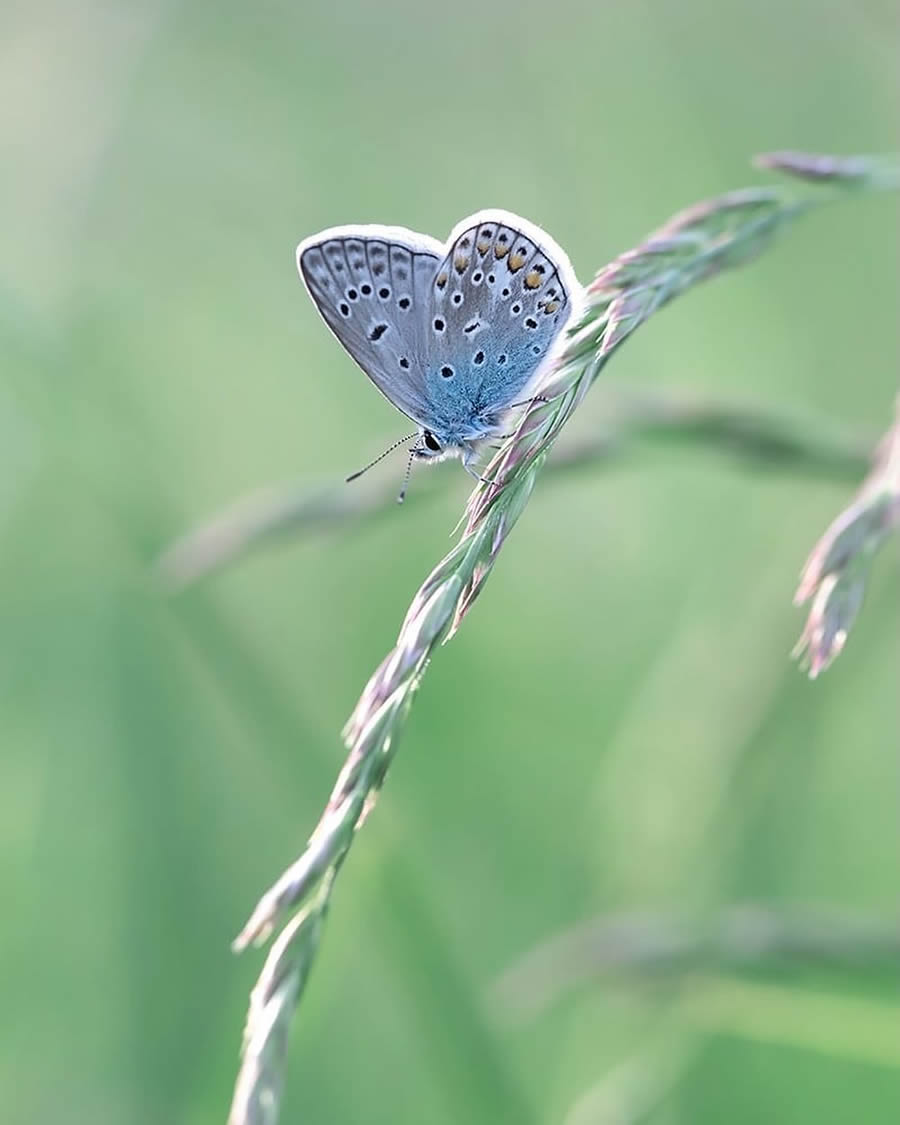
498	302
371	285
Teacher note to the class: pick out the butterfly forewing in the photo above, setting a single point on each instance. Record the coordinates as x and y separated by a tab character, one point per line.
372	286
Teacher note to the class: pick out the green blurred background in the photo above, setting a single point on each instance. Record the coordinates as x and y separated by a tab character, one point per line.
616	727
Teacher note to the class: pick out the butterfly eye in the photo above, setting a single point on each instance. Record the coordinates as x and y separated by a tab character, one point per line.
431	442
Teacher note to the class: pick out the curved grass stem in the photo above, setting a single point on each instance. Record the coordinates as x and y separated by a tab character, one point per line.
693	246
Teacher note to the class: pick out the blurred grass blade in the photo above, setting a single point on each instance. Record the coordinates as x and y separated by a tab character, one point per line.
848	1027
634	1090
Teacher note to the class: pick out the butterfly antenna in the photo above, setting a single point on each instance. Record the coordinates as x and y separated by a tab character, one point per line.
381	457
412	457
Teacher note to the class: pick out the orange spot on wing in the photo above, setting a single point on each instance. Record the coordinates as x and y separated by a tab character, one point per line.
460	263
516	261
532	279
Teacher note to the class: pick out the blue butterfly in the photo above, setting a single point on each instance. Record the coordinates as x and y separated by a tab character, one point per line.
453	335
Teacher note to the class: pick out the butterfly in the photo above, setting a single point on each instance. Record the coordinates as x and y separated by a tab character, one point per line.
452	334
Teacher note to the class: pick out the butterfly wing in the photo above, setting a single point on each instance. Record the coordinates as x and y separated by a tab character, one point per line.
501	296
372	284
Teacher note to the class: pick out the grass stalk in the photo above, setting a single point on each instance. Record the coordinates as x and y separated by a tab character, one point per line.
652	945
837	571
694	246
628	419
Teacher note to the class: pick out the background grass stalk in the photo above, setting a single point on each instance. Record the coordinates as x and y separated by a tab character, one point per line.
759	438
656	945
693	246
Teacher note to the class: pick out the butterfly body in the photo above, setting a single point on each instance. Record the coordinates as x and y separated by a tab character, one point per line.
452	334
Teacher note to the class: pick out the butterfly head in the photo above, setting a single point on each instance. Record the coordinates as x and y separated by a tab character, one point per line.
429	447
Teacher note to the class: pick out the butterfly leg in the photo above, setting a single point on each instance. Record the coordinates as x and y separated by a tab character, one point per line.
468	456
528	401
